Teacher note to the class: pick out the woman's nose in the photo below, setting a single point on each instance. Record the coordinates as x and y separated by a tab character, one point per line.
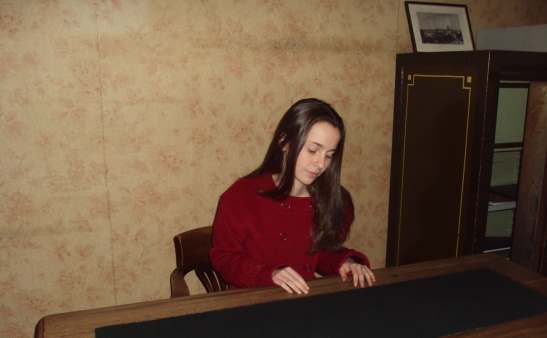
320	162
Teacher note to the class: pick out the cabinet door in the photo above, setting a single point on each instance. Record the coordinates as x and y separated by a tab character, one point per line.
432	138
506	155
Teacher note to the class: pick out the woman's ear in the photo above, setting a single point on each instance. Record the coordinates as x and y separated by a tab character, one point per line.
284	145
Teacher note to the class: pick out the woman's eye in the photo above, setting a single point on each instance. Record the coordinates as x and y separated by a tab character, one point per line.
329	157
312	151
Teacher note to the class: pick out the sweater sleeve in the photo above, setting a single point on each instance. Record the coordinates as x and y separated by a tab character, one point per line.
228	254
330	261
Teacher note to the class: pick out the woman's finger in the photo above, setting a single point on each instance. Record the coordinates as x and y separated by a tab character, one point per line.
290	280
370	276
286	287
344	270
357	275
297	281
294	285
283	281
362	276
295	275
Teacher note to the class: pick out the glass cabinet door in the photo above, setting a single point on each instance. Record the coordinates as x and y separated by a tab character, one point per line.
510	120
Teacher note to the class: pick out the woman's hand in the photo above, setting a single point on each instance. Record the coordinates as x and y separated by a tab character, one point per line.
290	280
359	272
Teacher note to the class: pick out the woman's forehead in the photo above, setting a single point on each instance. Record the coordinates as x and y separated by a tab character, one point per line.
324	134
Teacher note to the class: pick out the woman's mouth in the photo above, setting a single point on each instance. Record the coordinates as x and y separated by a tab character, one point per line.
313	174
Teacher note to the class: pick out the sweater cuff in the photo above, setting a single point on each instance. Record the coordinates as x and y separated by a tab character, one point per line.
356	256
264	276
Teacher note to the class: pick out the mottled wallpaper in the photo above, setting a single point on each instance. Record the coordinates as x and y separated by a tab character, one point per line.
123	120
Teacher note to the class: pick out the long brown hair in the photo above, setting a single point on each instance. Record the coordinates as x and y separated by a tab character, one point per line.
330	199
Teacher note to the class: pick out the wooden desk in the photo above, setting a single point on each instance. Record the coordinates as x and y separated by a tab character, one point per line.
81	324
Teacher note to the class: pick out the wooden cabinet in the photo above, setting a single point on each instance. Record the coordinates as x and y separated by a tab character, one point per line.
443	145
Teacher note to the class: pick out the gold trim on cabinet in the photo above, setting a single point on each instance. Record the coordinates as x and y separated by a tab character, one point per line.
411	77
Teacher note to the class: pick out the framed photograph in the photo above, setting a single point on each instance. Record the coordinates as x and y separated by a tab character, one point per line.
437	27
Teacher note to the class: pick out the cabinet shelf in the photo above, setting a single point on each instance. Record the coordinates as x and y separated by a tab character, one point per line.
508	146
503	193
502	197
500	206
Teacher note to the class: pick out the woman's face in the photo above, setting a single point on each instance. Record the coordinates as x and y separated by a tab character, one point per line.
315	157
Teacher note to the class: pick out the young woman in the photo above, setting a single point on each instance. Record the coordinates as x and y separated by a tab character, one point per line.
288	219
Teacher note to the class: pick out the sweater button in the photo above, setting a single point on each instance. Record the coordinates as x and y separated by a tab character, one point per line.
283	236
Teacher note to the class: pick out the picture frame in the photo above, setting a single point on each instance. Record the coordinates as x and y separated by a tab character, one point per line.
439	27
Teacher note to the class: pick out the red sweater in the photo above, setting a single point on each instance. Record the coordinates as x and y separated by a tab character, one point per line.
254	235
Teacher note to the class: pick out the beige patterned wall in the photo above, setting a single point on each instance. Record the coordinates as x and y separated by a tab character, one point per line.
122	121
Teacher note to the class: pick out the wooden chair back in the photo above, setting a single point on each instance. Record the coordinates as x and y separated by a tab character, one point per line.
192	253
